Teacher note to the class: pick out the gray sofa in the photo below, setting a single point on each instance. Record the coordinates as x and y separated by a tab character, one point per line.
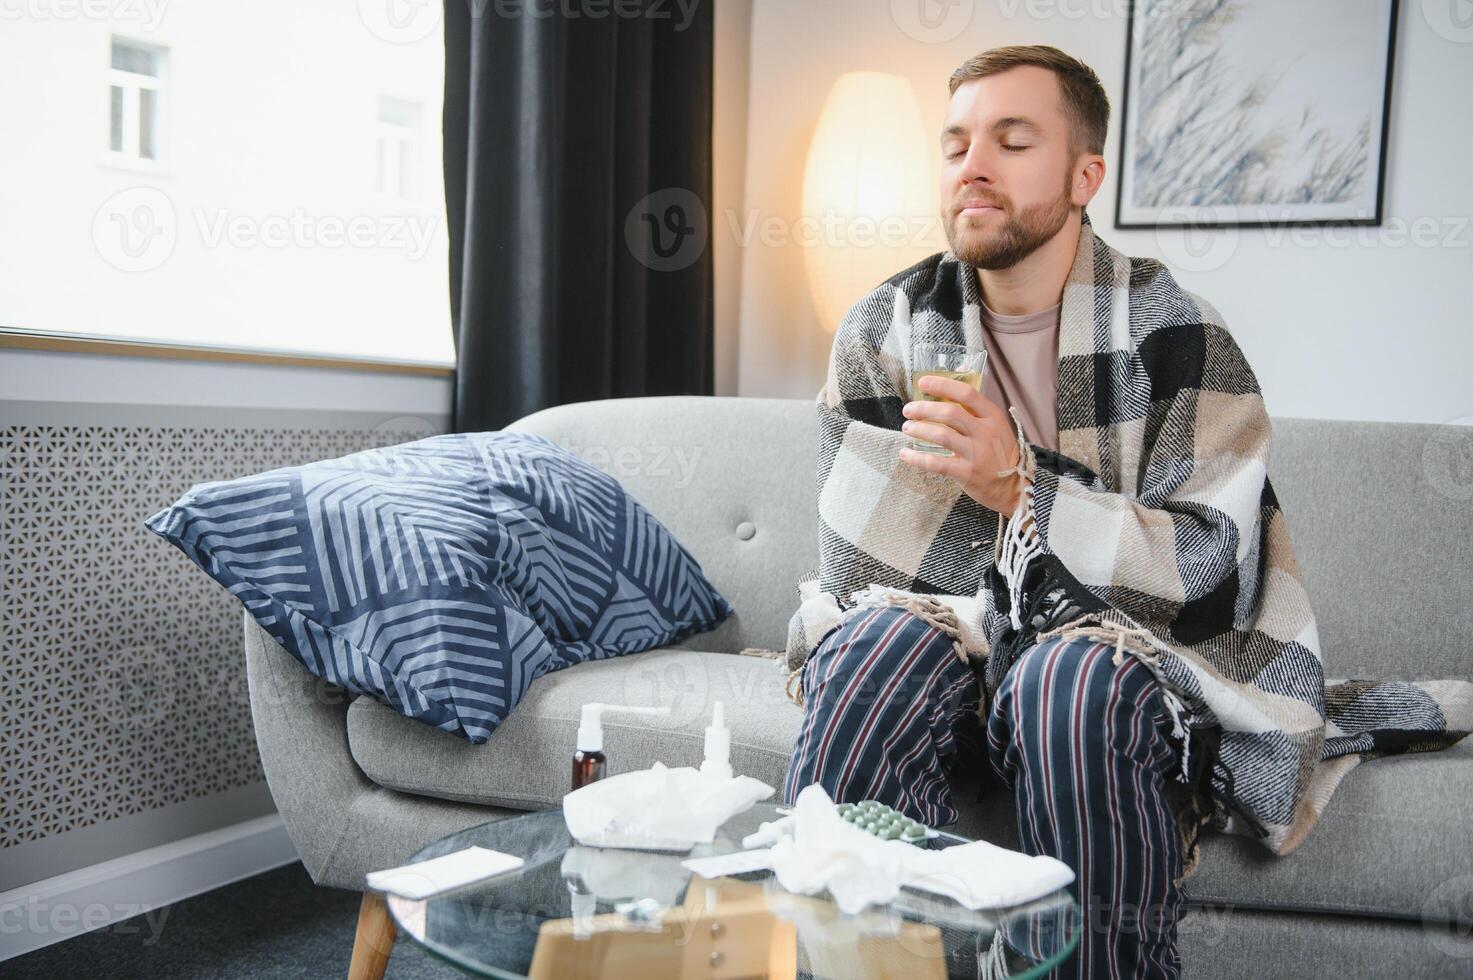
1370	893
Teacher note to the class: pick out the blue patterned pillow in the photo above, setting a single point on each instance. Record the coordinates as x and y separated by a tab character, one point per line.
443	576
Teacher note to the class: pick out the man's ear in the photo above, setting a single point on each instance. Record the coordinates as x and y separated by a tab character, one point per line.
1086	179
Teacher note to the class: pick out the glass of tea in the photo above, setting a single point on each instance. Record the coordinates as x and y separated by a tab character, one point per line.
955	361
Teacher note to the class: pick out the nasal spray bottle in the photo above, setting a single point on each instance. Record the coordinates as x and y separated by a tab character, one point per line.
589	762
717	763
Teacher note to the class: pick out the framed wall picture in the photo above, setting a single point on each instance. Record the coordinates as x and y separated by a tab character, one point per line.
1255	112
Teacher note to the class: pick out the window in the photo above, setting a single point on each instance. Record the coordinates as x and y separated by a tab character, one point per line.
268	183
134	94
398	139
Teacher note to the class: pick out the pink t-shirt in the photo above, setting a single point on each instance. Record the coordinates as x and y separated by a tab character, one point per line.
1023	368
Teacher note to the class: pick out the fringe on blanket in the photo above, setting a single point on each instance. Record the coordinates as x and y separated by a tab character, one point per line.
926	608
1194	807
1019	540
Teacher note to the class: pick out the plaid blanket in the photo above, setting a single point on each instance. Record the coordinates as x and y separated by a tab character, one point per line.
1154	527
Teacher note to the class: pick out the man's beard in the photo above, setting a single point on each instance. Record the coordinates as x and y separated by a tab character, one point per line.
1021	235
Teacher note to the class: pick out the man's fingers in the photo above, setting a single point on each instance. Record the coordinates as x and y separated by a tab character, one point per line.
941	435
955	416
963	394
946	465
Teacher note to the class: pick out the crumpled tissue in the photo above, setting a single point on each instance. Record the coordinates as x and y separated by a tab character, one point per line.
659	808
814	848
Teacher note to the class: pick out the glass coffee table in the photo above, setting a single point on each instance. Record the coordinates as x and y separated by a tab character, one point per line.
580	913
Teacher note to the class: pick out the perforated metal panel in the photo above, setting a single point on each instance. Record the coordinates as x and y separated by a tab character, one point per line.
122	683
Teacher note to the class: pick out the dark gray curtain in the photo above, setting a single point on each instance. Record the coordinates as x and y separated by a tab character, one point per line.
578	195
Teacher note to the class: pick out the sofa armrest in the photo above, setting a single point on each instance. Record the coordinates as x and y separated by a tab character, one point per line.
302	734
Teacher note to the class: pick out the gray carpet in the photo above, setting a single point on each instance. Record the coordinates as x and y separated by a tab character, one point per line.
277	924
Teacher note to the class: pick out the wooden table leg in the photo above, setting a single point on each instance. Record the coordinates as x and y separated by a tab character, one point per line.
374	940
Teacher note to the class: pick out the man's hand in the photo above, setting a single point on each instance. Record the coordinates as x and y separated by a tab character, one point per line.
977	431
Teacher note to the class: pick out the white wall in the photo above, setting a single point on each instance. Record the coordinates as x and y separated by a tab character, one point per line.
1338	323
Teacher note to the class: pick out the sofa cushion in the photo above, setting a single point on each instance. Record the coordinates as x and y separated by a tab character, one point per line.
444	575
1396	841
527	762
732	478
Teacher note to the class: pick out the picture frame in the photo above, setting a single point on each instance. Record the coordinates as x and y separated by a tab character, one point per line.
1236	120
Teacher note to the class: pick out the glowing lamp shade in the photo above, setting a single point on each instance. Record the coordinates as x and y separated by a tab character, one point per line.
869	200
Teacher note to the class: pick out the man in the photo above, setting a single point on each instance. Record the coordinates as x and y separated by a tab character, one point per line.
1104	547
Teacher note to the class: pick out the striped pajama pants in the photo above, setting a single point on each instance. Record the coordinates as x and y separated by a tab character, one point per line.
1082	744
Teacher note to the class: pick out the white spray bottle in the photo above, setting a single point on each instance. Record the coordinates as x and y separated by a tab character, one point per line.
589	762
717	763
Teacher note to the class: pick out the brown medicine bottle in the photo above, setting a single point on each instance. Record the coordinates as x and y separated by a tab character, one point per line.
589	762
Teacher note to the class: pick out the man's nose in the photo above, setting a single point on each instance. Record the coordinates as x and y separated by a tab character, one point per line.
977	166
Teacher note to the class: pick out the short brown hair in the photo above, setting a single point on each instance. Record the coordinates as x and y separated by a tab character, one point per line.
1084	101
